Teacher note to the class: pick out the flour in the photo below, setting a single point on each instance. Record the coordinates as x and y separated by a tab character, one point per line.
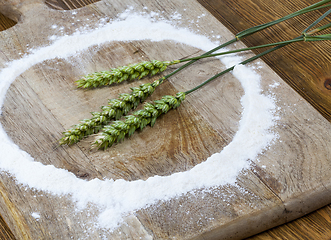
117	198
35	215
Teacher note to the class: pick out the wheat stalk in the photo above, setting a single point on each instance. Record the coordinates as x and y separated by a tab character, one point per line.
120	74
118	130
142	69
115	109
119	107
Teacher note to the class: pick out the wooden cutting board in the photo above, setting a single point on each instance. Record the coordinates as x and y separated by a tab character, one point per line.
289	180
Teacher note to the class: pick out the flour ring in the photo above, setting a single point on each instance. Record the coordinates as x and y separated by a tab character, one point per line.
60	182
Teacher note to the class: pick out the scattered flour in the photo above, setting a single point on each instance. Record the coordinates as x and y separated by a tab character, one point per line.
176	16
117	198
274	85
35	215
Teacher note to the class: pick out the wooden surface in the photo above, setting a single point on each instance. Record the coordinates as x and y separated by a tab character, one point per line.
5	22
68	4
307	71
316	225
262	183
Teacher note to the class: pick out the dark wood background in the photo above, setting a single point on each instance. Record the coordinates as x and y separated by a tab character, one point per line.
307	71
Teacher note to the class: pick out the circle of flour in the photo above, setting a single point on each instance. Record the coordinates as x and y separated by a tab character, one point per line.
116	198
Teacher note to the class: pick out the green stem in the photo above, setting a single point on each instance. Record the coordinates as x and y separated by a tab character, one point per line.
307	38
251	31
231	68
318	38
299	39
310	8
243	49
316	22
319	29
193	61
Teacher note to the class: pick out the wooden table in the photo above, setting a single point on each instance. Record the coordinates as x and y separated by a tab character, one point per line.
307	73
311	80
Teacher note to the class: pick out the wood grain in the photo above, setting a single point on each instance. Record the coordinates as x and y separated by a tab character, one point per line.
68	4
47	113
42	111
306	77
306	70
5	22
313	226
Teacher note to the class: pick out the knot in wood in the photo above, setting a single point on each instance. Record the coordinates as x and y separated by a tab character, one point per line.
327	83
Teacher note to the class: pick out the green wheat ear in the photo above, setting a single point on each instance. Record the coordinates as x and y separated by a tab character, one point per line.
115	109
120	74
118	130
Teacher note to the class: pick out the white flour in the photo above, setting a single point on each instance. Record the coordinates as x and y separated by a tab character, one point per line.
119	197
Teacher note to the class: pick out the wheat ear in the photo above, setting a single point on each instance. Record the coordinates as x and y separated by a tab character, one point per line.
115	109
118	130
120	74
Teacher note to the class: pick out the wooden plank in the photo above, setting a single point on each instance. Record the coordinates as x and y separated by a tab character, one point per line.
223	217
300	230
68	4
212	218
236	15
307	71
5	22
5	232
312	226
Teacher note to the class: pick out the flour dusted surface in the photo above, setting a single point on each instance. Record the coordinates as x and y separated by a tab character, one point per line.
117	198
